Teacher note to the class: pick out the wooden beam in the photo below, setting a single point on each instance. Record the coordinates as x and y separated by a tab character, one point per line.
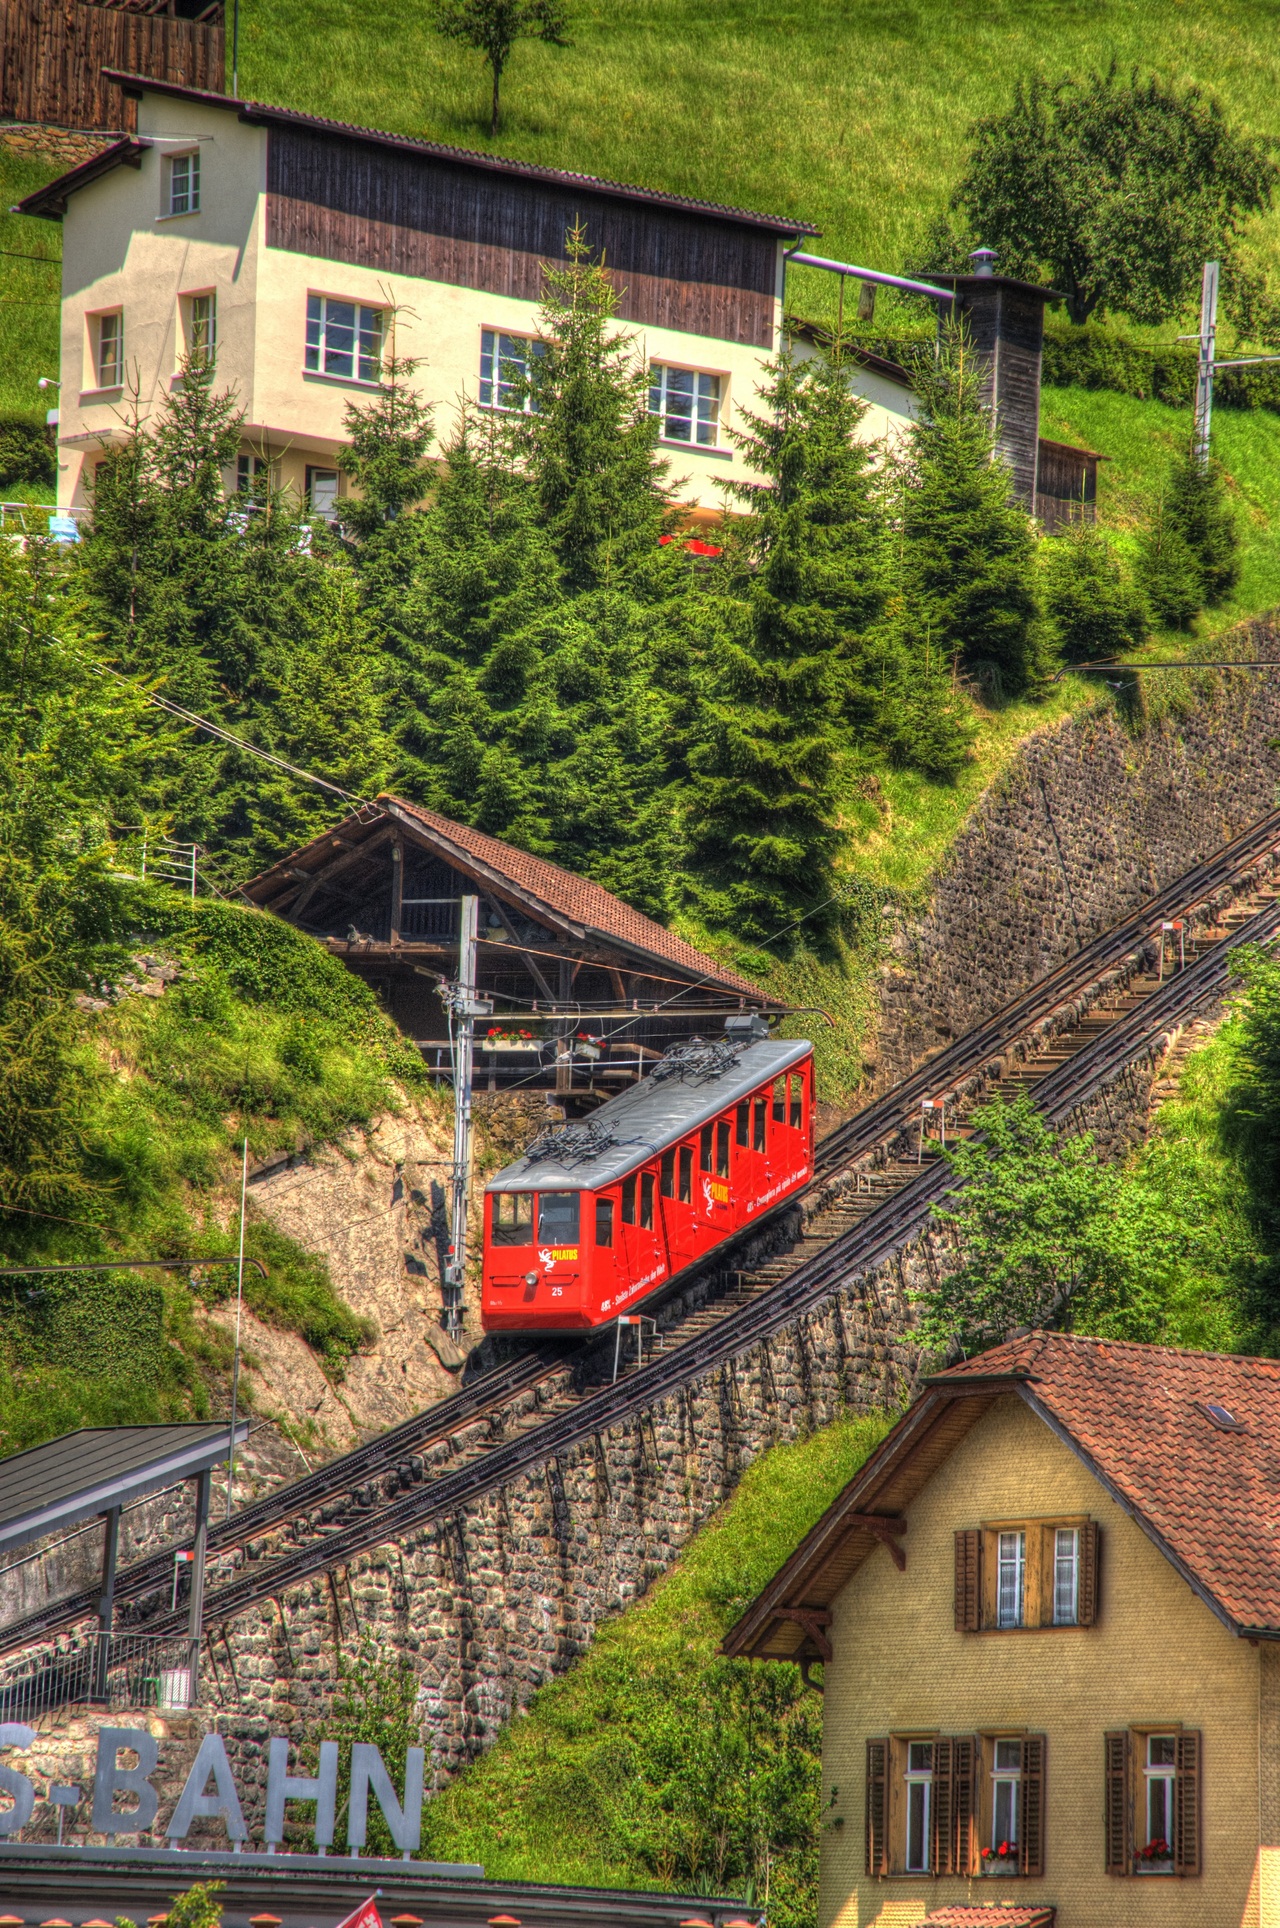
334	868
530	962
885	1527
814	1621
397	888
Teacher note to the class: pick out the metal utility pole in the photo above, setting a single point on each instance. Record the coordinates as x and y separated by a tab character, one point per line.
466	1007
1204	371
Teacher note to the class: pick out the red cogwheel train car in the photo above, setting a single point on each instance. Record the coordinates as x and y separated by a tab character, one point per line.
597	1215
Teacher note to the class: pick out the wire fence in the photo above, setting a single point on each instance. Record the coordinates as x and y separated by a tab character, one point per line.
108	1672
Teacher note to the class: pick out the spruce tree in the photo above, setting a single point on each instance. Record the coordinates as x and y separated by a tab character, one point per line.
1200	509
808	578
968	549
1093	610
1169	569
587	440
386	454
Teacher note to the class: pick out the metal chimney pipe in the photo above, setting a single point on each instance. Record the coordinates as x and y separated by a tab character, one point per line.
984	261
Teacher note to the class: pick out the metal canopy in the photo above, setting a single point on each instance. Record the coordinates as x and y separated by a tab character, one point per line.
639	1122
100	1468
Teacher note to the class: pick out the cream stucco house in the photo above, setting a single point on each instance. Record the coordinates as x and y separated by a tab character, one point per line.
297	251
1048	1612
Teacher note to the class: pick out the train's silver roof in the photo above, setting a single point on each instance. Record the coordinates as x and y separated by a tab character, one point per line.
686	1087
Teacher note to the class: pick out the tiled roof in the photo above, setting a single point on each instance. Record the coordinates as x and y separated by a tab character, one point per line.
577	898
1137	1415
1020	1914
1188	1443
257	110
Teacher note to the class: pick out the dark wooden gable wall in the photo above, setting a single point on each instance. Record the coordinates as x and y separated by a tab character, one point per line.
343	200
1006	324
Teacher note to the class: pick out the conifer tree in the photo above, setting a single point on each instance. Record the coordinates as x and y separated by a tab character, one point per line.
809	578
968	549
1169	569
1093	611
1201	511
587	440
386	454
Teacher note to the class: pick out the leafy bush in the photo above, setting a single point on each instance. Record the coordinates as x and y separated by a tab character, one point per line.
26	454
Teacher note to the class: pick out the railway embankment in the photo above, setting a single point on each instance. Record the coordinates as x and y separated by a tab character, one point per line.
1093	815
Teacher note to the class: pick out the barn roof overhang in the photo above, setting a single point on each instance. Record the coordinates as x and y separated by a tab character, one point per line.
589	922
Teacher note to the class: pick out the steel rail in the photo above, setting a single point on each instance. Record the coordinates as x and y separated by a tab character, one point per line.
900	1105
869	1129
882	1233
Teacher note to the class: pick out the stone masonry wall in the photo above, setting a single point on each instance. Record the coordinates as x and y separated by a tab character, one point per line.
1088	821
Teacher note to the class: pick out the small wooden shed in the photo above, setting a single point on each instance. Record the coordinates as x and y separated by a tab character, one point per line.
586	990
1066	484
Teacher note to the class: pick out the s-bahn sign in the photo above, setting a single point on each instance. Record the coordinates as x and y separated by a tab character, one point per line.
210	1791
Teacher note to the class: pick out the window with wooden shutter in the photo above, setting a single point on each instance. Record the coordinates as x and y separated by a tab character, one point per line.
1087	1610
877	1807
942	1808
1186	1805
964	1768
1031	1806
1116	1813
968	1581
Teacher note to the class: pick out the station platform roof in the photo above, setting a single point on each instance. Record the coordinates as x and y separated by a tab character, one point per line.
88	1472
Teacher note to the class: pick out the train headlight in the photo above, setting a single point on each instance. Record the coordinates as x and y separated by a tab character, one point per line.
531	1278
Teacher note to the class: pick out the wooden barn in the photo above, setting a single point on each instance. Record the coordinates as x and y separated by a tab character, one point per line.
53	53
586	991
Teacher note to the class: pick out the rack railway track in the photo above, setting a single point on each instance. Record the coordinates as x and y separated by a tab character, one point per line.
536	1407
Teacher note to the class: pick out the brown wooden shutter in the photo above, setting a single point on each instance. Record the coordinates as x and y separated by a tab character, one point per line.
964	1767
968	1581
1031	1806
1087	1580
1119	1860
942	1807
877	1807
1186	1805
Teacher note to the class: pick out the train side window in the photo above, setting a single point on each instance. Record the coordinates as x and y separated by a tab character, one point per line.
628	1201
646	1201
512	1219
704	1148
744	1123
668	1174
797	1099
722	1148
604	1221
686	1174
558	1217
779	1101
759	1111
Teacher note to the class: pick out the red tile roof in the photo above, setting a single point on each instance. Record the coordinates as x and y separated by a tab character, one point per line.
1000	1914
586	904
1188	1443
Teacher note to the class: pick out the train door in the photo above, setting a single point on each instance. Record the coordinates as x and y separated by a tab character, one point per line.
713	1178
605	1270
750	1151
676	1203
641	1261
790	1152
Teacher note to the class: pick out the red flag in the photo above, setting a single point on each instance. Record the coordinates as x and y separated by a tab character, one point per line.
365	1916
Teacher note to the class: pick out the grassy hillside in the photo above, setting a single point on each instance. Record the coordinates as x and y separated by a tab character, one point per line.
262	1034
653	1763
847	113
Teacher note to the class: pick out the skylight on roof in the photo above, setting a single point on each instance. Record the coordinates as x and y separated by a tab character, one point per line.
1222	1418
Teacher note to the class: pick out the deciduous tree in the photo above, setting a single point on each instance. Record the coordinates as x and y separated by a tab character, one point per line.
492	28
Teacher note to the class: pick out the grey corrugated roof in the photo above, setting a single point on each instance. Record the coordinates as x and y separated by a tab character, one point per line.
674	1099
84	1473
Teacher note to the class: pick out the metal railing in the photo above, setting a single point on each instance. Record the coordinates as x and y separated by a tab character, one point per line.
108	1672
42	519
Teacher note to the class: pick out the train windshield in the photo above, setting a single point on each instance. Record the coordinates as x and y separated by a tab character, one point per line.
558	1218
511	1222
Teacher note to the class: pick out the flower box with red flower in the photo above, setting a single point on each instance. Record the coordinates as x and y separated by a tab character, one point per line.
498	1038
1002	1859
1156	1857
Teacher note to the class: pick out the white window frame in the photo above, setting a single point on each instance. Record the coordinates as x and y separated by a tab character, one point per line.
1001	1777
703	414
317	353
919	1792
1066	1576
184	168
1011	1579
1154	1774
97	325
210	348
493	355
